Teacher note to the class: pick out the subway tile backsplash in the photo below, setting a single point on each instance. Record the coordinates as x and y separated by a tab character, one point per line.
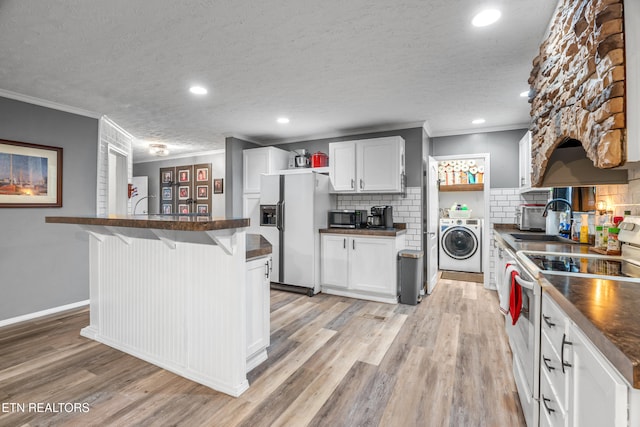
405	209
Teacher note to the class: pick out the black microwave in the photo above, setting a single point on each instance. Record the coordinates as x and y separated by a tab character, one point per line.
347	218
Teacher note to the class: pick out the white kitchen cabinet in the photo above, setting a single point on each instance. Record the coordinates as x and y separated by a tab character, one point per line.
361	266
632	65
257	161
367	166
524	165
258	310
373	265
335	260
251	210
578	386
598	394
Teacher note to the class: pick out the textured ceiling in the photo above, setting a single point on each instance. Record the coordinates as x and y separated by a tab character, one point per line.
331	66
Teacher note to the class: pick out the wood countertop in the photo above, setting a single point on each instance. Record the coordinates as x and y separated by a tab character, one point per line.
398	229
161	222
257	246
605	309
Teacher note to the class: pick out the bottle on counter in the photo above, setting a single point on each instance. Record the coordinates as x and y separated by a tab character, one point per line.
605	228
575	230
584	229
600	237
564	229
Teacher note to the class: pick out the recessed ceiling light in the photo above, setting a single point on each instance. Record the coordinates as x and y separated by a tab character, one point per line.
486	17
198	90
283	120
524	94
478	121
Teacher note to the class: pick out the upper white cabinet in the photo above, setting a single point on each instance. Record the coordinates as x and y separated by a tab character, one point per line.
632	59
367	165
257	161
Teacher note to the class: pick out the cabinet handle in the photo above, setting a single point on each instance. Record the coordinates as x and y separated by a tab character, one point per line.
353	183
344	243
546	365
266	270
546	320
353	244
270	262
361	184
544	402
564	342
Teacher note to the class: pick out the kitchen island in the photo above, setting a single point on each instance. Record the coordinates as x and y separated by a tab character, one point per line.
171	290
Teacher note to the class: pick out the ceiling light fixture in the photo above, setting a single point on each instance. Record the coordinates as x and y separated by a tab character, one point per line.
478	121
524	94
283	120
158	149
486	17
198	90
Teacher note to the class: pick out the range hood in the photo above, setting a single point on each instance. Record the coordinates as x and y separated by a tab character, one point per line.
569	166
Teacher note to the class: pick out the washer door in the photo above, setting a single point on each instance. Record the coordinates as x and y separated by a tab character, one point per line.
459	243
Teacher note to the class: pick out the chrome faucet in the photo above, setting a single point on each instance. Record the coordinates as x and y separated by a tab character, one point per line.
550	202
151	196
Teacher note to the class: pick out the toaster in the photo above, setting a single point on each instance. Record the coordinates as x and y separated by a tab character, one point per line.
529	217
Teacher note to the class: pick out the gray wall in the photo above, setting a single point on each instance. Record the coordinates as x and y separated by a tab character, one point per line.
233	176
42	265
413	149
502	147
152	170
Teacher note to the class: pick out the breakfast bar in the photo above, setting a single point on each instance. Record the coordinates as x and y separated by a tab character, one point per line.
171	290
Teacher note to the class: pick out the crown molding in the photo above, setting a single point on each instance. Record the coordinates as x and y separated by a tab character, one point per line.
49	104
181	156
479	130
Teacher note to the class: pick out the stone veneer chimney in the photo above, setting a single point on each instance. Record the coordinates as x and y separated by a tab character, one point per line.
578	85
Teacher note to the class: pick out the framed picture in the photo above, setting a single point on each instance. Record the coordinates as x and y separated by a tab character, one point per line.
166	209
217	186
167	177
30	175
202	174
183	209
183	193
183	175
203	209
166	193
203	191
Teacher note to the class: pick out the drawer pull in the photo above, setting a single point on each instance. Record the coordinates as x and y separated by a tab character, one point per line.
564	342
544	402
546	320
546	365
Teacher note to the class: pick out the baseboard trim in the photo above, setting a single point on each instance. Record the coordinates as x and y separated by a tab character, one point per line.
42	313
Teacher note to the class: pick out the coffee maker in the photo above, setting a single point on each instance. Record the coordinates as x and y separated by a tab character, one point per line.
381	217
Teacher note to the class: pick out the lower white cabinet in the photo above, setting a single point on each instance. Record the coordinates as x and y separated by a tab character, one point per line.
361	266
251	210
258	310
578	385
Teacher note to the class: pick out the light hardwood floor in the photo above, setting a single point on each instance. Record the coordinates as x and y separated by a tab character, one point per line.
333	361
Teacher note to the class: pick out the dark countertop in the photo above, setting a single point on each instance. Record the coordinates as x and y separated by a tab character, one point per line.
161	222
605	310
398	229
257	246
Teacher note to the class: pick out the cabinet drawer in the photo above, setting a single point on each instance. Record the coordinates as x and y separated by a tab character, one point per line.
553	322
551	413
551	365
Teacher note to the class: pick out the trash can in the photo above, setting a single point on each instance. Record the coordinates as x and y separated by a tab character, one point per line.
410	276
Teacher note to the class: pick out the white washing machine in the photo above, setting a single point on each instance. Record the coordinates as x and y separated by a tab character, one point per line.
460	245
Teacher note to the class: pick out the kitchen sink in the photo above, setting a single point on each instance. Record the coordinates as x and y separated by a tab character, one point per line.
524	237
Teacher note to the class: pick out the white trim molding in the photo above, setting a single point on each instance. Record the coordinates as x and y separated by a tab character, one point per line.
49	104
43	313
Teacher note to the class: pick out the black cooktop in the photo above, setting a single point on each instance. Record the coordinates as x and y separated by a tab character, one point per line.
586	265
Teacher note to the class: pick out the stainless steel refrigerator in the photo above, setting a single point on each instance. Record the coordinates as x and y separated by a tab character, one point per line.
293	207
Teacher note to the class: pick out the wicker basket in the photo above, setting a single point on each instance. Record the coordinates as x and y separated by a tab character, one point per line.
459	214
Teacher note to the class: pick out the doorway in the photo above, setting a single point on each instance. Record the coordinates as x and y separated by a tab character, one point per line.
117	183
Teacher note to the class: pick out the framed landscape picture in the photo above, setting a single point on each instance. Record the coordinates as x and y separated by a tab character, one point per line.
30	175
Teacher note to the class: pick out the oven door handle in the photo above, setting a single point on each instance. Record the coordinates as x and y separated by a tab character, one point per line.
525	283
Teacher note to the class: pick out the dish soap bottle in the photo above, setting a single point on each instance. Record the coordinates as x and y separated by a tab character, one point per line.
584	229
564	229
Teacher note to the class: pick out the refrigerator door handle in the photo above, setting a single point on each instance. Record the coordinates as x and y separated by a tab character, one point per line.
281	216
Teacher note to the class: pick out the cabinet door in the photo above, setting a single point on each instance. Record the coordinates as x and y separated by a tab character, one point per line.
379	165
257	305
598	395
342	166
525	160
255	162
335	260
373	265
251	210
